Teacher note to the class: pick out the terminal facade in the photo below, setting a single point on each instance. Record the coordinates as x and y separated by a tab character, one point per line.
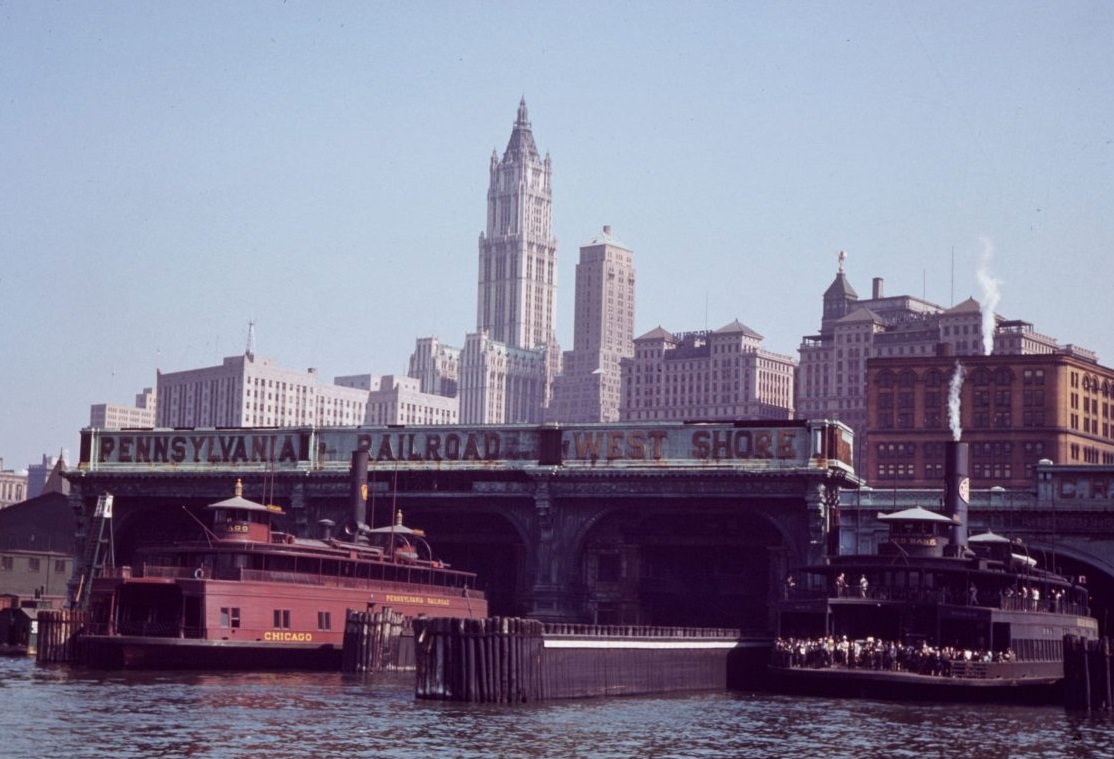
665	523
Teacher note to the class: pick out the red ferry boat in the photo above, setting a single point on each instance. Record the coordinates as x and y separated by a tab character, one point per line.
247	596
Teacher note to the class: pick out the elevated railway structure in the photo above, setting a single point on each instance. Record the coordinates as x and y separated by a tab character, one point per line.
639	524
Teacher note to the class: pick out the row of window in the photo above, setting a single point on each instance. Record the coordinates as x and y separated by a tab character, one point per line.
281	620
936	450
8	564
906	470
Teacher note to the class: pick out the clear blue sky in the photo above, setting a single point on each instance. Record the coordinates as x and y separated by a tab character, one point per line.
169	171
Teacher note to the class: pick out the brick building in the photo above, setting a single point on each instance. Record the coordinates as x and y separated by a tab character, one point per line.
1014	410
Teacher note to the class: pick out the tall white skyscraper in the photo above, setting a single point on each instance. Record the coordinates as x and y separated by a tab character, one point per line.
504	373
590	384
507	365
518	253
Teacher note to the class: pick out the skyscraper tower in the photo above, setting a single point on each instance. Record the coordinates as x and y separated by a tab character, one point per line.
518	253
589	387
504	372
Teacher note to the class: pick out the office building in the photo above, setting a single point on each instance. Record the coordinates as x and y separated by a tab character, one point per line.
252	391
506	366
13	486
400	400
589	388
1013	411
831	381
111	416
721	374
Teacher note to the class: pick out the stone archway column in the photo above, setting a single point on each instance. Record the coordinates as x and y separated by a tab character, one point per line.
297	495
554	595
822	502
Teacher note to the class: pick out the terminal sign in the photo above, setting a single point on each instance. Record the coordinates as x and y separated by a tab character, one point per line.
589	444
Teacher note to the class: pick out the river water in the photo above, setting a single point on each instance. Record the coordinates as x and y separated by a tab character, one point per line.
58	711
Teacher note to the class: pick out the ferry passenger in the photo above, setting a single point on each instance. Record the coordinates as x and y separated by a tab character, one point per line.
864	586
841	585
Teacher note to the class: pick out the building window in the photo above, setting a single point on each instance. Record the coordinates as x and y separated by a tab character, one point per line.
230	616
282	619
324	620
60	566
6	563
35	565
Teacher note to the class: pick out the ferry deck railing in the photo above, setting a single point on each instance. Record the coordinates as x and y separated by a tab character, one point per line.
947	596
238	574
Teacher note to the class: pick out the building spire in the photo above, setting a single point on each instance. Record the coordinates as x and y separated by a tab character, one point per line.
249	351
521	147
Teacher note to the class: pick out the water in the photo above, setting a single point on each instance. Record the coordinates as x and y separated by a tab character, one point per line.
72	713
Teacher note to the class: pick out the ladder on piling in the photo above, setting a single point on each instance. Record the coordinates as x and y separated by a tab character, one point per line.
93	559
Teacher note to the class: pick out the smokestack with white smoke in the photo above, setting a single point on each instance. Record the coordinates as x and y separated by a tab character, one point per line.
954	389
991	294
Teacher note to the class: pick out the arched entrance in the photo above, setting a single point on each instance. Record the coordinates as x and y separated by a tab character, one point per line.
1070	564
681	564
482	542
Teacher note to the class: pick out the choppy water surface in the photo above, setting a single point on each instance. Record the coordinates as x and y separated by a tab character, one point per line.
63	712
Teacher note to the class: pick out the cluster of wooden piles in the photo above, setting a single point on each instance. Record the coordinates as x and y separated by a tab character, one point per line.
379	641
493	660
60	635
1088	675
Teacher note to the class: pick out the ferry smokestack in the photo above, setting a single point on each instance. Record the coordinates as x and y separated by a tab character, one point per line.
957	491
359	493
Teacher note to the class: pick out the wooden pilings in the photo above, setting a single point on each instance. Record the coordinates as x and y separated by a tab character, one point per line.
1088	675
509	660
494	660
59	631
374	642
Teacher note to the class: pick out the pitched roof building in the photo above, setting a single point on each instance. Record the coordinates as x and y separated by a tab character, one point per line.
722	374
832	379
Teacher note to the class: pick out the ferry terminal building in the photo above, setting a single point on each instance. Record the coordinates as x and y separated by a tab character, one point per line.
664	523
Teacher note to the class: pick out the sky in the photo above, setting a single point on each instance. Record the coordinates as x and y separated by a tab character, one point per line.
170	171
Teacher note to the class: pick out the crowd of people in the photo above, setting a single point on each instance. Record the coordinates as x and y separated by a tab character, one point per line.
1023	597
879	654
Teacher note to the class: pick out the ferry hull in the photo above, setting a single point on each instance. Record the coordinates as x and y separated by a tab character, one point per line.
144	652
909	686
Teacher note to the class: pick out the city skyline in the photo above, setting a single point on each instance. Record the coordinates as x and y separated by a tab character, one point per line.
171	172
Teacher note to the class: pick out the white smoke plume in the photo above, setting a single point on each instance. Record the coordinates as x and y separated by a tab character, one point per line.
954	388
991	294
